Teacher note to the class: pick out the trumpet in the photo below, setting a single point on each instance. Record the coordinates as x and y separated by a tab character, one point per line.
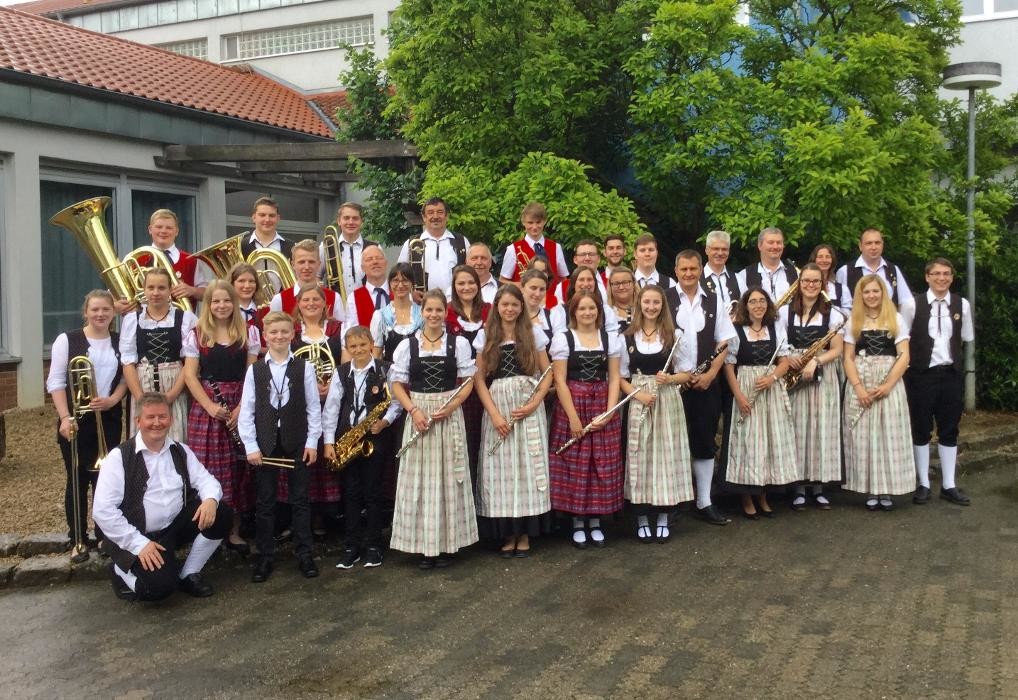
320	357
222	256
126	280
416	248
334	261
522	261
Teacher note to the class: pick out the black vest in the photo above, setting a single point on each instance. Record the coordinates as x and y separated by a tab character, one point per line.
755	279
731	283
705	344
435	373
374	394
920	344
77	344
247	246
854	274
161	344
587	365
132	505
291	417
755	353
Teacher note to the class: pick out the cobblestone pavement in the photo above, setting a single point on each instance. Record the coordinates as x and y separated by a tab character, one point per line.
915	603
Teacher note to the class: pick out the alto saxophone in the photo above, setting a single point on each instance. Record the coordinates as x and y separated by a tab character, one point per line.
354	442
793	380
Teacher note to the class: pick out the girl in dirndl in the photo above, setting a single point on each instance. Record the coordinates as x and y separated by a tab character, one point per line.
878	438
512	482
761	450
586	479
216	356
434	514
244	278
816	400
658	463
151	350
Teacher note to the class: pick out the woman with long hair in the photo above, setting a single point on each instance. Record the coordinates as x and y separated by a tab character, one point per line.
826	259
878	439
246	283
534	285
216	356
761	447
584	279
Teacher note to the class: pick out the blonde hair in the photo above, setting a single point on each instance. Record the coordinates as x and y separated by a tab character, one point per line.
888	317
277	317
307	245
163	214
205	329
96	294
320	291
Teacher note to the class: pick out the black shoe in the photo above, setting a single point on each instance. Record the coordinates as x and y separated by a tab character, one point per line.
886	504
426	563
710	514
350	557
262	570
444	561
755	515
798	505
241	548
921	496
643	534
194	585
307	566
372	558
597	543
955	495
582	544
663	534
872	504
120	588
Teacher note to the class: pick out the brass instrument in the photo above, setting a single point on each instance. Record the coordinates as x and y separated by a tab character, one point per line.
126	280
514	421
522	261
83	390
793	380
222	256
590	426
416	248
417	436
354	442
320	357
333	255
790	292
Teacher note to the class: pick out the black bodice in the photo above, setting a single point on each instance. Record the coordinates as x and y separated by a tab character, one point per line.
223	363
877	343
433	374
160	344
508	363
587	365
645	363
757	352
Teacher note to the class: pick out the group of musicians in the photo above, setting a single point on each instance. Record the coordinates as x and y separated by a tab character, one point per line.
478	406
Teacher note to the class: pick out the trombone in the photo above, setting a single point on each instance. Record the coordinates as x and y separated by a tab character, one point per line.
416	248
333	255
82	390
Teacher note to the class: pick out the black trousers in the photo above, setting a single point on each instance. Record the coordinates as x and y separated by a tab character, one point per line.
266	488
88	451
935	395
703	409
362	490
161	583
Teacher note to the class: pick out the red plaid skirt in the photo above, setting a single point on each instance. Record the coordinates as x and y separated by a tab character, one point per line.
323	483
587	478
214	448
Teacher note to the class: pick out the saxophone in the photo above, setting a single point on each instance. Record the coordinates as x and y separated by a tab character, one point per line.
793	380
354	442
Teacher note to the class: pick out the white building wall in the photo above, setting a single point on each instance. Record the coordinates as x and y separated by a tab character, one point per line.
993	39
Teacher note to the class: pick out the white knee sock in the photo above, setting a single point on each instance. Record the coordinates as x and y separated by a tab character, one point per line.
202	549
948	462
662	519
922	463
703	473
641	521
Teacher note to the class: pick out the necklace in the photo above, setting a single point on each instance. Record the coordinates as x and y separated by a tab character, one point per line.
431	340
651	334
148	312
873	318
535	314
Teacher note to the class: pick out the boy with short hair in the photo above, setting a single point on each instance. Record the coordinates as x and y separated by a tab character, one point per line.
645	257
357	388
306	262
533	244
280	417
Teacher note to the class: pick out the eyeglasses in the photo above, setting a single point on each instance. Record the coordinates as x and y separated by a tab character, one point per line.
756	301
589	254
803	281
626	283
399	282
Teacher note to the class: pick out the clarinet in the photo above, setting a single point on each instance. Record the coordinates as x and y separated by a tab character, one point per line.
705	365
218	396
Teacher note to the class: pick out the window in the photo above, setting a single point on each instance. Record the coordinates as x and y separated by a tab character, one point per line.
299	212
144	202
198	48
988	9
298	39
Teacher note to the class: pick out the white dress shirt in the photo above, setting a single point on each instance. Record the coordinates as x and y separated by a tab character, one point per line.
439	258
904	293
350	256
654	277
100	352
333	402
129	330
774	283
720	280
510	264
690	318
164	494
279	395
941	325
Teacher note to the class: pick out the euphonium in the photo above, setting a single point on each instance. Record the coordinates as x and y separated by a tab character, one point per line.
416	249
124	279
354	442
320	357
222	256
333	254
83	390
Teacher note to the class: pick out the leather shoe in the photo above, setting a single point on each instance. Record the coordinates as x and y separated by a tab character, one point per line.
241	548
121	589
955	495
921	496
307	566
710	514
262	570
194	585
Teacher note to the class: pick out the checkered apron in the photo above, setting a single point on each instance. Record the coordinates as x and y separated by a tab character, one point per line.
658	463
761	449
816	416
214	448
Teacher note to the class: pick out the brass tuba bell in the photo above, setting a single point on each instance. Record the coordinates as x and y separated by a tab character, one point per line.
222	256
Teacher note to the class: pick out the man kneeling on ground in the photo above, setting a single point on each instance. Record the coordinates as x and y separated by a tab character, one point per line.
152	496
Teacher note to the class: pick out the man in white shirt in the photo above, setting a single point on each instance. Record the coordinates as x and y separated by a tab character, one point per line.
770	274
871	262
364	301
935	381
349	220
265	218
534	243
443	249
153	495
645	258
479	258
716	278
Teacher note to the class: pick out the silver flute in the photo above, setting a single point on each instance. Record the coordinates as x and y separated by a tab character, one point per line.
417	436
514	421
648	409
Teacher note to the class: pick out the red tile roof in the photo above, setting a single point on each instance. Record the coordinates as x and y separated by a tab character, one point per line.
329	102
45	7
47	48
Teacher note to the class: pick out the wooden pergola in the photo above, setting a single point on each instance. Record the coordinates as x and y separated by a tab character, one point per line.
319	165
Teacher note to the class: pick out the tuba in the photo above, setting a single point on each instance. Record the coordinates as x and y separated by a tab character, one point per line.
416	248
124	279
354	442
333	255
320	357
222	256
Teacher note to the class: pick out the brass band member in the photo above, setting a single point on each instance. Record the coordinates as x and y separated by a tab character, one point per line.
245	282
621	295
584	279
465	317
871	262
443	249
534	243
306	262
96	342
826	258
770	274
534	284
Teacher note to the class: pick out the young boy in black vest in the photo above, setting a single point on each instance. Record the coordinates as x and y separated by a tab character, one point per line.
935	380
357	388
280	417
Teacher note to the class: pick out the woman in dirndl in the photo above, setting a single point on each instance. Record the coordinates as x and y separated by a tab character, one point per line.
816	398
622	295
434	514
314	326
216	356
244	278
761	452
878	438
151	350
659	468
465	317
513	501
586	478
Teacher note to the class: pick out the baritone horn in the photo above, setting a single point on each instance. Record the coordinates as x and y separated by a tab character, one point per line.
333	254
222	256
126	280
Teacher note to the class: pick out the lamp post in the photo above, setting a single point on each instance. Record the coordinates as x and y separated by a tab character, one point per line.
972	76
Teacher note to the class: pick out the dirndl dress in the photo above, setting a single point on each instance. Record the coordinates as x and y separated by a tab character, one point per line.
159	365
816	413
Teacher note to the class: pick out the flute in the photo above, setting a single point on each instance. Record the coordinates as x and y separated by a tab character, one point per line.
647	409
589	426
417	436
514	421
752	398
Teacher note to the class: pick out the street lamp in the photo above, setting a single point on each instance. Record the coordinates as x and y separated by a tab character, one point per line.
971	76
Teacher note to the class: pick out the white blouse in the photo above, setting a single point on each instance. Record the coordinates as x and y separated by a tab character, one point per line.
100	352
400	371
129	330
540	340
560	345
254	343
651	347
